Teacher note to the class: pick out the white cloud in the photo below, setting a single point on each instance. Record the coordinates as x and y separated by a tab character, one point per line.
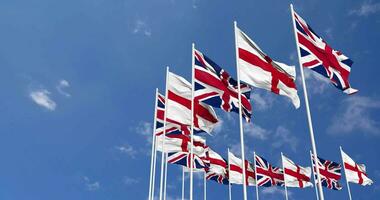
262	101
141	27
219	127
283	137
127	149
130	180
41	98
316	83
145	129
293	56
256	131
366	8
328	33
91	186
355	114
61	86
274	190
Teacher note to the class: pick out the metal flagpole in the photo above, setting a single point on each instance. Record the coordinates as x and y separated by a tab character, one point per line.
348	185
204	186
312	168
153	148
164	135
240	115
283	169
154	169
166	174
314	148
183	183
257	186
192	121
229	176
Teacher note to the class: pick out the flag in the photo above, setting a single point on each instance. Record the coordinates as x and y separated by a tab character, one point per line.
217	170
236	171
177	142
329	172
268	175
170	126
295	175
317	55
184	159
259	70
355	173
179	106
215	87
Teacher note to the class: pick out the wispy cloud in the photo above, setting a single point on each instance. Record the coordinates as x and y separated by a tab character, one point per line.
317	84
130	181
41	97
366	8
283	137
355	114
91	186
145	129
262	100
274	190
61	86
256	131
127	149
141	27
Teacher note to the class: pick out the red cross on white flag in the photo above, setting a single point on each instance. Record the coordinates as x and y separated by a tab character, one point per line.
355	173
295	175
259	70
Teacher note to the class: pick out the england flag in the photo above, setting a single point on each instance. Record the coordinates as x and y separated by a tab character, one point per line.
257	69
179	106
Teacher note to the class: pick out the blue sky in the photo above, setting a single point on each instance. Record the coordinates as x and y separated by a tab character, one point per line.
78	80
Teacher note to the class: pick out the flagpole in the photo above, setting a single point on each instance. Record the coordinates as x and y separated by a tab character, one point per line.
192	120
183	183
153	147
166	174
229	176
257	186
348	185
312	168
314	148
154	168
164	136
240	116
283	169
204	186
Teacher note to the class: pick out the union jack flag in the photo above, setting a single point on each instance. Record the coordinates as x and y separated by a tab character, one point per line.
317	55
184	159
217	170
268	175
215	87
219	178
330	173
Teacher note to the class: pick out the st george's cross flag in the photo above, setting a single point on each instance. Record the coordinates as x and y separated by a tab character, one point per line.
330	173
355	173
179	106
257	69
317	55
215	87
267	174
177	142
295	175
236	171
217	170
